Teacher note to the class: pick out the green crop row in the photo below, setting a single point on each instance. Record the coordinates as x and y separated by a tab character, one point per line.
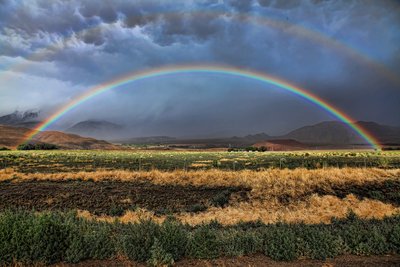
28	238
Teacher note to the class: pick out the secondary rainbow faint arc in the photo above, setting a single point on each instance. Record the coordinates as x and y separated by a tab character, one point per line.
285	26
207	69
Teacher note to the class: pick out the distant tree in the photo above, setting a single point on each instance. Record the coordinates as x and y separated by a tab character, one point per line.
262	149
37	146
250	148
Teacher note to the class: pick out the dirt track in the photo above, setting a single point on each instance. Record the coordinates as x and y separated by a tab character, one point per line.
110	197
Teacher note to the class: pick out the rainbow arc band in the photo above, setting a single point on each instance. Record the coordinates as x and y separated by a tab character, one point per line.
203	69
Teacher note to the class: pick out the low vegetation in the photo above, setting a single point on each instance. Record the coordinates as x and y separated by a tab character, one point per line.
70	206
30	238
61	160
37	146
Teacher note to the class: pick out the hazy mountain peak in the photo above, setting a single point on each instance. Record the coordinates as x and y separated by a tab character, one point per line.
97	129
26	118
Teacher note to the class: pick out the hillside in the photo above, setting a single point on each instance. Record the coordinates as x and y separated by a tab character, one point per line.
385	134
96	129
12	136
27	119
281	145
339	133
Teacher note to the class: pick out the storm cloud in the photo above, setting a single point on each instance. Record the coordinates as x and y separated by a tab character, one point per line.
344	51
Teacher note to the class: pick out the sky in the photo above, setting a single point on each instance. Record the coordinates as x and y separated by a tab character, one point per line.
346	51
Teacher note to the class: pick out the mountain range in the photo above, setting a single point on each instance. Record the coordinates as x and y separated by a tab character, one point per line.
328	133
97	129
11	136
26	119
339	133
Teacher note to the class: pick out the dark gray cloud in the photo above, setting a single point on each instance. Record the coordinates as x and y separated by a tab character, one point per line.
241	6
280	4
77	44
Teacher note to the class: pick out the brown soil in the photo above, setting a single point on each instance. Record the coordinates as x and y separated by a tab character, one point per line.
261	260
385	191
113	197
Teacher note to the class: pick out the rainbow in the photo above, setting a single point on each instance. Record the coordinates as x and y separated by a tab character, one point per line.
202	69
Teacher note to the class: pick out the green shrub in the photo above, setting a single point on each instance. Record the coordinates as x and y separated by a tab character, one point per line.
203	243
238	243
77	250
395	238
15	236
158	255
37	146
3	148
280	243
320	243
28	238
49	238
174	238
371	241
89	240
138	238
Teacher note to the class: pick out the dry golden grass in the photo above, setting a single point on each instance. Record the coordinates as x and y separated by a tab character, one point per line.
316	210
266	187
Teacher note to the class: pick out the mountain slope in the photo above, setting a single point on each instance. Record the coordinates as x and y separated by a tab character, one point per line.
339	133
13	136
26	119
281	145
384	133
96	129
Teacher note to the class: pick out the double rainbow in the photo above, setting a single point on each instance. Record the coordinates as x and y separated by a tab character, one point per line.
203	69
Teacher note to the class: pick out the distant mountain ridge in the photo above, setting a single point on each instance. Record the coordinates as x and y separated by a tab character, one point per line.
96	128
27	119
328	133
339	133
11	136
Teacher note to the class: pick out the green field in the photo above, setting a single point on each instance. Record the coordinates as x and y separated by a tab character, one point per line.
59	161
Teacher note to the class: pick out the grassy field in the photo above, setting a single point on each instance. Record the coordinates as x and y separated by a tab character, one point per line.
58	161
290	205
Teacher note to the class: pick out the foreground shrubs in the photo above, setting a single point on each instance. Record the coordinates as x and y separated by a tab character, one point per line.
28	238
280	243
51	237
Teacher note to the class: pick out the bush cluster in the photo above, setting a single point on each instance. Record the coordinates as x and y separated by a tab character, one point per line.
28	238
37	146
249	149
